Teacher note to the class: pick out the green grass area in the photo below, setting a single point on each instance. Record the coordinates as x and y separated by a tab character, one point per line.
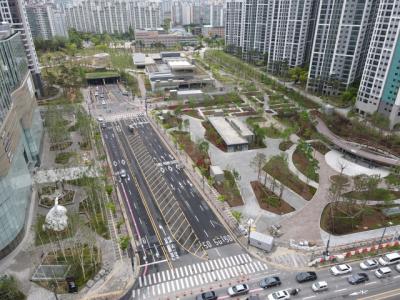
64	157
273	132
100	75
285	145
268	200
379	194
277	167
9	289
303	164
229	190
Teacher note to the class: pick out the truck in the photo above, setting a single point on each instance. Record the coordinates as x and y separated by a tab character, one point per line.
261	241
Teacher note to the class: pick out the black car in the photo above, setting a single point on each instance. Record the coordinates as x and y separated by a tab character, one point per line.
207	296
358	278
270	282
306	276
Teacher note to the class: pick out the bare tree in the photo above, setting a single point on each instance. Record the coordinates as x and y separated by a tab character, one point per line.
258	163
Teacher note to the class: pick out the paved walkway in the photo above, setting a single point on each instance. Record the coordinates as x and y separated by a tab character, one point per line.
53	175
304	223
241	162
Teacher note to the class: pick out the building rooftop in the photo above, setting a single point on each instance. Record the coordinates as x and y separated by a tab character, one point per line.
227	133
244	130
216	170
139	58
190	92
180	64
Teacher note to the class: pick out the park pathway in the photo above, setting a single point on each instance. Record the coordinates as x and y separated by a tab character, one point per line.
305	222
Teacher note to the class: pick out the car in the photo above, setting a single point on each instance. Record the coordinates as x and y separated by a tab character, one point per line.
306	276
103	125
270	282
122	173
340	269
383	272
398	267
358	278
369	264
207	296
320	286
389	259
279	295
237	290
100	119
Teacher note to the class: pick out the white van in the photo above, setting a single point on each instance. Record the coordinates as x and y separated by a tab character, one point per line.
383	272
389	259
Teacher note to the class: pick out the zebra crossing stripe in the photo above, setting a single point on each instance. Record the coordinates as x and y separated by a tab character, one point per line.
177	285
251	268
208	267
168	275
247	268
167	284
140	282
231	261
145	280
159	277
195	280
163	275
240	259
236	260
224	263
191	281
220	263
186	271
154	278
194	268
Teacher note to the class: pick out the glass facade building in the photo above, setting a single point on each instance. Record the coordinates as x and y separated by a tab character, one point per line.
20	138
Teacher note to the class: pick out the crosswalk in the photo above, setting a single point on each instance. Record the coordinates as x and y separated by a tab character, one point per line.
120	116
196	275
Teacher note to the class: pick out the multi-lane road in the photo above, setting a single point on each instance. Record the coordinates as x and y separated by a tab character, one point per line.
182	245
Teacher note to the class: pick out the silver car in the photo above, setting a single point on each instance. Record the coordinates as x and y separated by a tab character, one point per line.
369	264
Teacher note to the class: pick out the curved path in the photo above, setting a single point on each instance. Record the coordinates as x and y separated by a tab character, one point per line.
304	223
354	148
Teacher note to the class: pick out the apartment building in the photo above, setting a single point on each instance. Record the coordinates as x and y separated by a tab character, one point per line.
280	28
380	82
20	138
341	41
46	21
101	16
151	38
14	13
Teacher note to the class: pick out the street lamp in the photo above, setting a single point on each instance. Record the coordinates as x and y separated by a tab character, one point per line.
326	252
383	234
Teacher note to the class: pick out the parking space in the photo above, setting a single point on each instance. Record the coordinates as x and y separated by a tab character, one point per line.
165	200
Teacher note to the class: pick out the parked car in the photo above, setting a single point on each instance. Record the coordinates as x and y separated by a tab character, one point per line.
237	290
320	286
122	173
369	264
280	295
306	276
340	269
398	267
389	259
383	272
207	296
358	278
270	282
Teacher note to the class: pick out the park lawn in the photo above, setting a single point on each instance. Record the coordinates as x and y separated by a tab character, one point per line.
340	179
277	168
372	218
273	132
201	160
320	147
285	145
377	195
269	201
213	136
302	164
229	190
64	157
46	236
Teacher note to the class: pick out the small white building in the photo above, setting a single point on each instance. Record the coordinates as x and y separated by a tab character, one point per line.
217	173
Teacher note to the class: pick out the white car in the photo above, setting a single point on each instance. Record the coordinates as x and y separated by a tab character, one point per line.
340	269
398	267
320	286
122	173
280	295
237	290
369	264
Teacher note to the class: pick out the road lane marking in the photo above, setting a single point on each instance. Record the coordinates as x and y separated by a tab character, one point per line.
219	254
337	291
197	219
372	282
397	276
212	223
309	297
205	232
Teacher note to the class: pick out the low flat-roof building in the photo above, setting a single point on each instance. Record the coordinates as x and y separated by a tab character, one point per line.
173	72
242	128
154	38
232	139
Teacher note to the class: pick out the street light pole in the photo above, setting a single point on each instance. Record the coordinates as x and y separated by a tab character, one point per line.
383	235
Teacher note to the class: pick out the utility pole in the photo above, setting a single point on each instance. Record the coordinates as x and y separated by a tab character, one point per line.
383	235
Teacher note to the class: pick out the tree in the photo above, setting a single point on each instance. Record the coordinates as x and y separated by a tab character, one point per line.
237	215
124	242
186	124
258	163
203	146
380	121
9	289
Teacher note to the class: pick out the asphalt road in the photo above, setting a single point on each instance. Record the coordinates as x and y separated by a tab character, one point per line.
338	286
140	221
202	219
